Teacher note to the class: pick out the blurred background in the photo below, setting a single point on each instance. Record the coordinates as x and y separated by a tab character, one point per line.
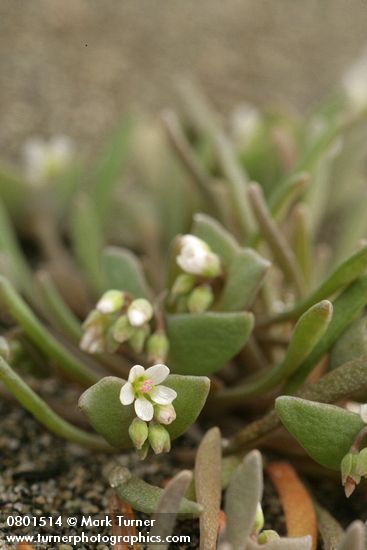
74	66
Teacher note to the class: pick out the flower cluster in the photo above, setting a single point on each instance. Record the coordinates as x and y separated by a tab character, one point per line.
45	160
153	404
119	319
192	290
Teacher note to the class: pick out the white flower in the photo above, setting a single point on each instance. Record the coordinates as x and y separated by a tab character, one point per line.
245	120
144	390
355	83
196	257
45	159
140	312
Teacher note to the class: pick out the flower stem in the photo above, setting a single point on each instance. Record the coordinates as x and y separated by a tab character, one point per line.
44	414
66	361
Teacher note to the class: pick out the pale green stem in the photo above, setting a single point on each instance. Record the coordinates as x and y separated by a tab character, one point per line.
302	241
279	246
237	182
338	384
345	273
184	151
60	312
307	333
44	414
40	336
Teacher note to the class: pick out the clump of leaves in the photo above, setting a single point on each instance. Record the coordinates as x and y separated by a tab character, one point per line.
231	255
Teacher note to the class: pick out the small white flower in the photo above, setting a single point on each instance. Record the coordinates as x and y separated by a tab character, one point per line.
245	120
196	257
45	159
144	390
355	83
140	312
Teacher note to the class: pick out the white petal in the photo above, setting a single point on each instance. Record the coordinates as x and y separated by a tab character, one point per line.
135	372
157	373
363	413
136	318
162	395
144	409
127	394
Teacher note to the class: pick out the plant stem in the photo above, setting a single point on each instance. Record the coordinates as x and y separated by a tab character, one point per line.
38	334
60	312
184	151
279	246
44	414
307	333
338	384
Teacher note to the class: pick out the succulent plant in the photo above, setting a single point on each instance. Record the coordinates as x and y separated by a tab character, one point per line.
166	257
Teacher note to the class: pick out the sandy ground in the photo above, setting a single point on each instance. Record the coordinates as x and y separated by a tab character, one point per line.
73	66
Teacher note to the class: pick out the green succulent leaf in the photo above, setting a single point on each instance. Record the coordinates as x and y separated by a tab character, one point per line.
102	406
354	537
307	333
347	272
244	277
203	343
208	485
106	173
351	344
242	497
346	307
143	496
218	238
326	432
87	239
168	507
123	271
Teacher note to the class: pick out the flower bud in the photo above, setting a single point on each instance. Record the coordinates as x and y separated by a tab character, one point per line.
348	466
183	284
157	347
4	348
140	312
164	414
196	258
259	520
138	337
93	339
111	301
361	463
200	299
142	453
138	432
159	439
349	471
122	330
267	536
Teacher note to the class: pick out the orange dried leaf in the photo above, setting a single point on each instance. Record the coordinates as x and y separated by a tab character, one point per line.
297	504
119	508
24	546
222	520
